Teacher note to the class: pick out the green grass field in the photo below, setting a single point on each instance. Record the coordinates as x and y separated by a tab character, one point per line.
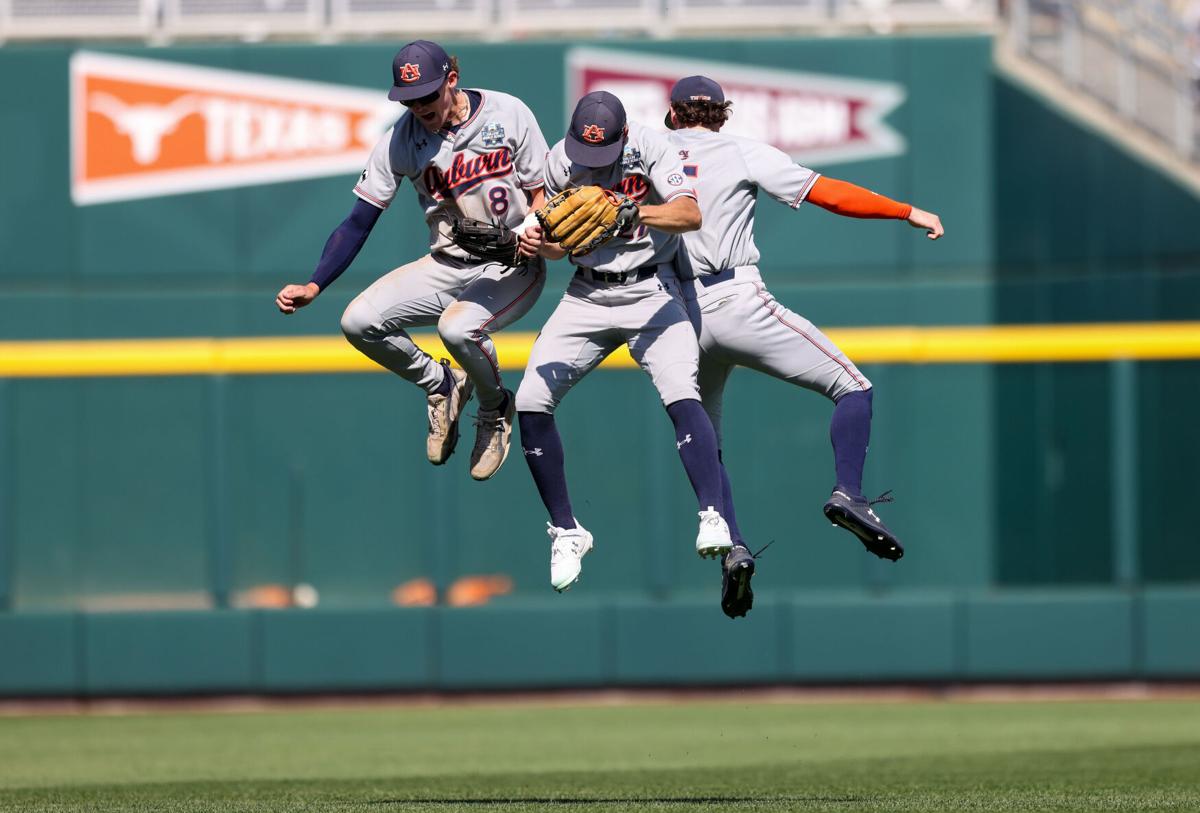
706	756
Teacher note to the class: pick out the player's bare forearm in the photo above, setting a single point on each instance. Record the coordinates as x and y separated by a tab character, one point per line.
552	251
292	297
679	216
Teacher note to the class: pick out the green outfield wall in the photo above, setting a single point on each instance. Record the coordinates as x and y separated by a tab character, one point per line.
809	636
1041	503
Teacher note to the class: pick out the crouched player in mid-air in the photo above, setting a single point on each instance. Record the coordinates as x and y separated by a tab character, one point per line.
474	156
740	323
623	292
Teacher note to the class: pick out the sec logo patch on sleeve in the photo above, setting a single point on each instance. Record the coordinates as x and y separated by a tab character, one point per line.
675	179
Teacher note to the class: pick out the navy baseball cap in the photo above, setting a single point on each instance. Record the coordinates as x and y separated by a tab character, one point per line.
418	70
596	136
695	89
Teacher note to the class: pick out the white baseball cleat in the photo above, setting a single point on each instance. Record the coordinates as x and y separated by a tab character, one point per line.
444	412
713	537
567	550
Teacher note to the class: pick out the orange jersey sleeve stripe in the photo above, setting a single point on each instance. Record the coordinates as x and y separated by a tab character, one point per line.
849	200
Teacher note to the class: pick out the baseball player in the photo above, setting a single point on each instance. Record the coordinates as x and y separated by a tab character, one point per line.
741	324
473	154
624	292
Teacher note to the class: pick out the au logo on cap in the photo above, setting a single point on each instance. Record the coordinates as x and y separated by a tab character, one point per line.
592	134
410	72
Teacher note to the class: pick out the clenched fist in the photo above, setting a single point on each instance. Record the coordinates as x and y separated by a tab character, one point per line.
931	223
296	296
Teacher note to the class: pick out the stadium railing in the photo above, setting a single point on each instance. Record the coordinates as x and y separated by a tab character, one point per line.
1138	58
57	19
352	18
246	19
252	20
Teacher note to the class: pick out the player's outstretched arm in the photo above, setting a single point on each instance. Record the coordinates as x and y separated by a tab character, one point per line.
340	250
848	200
679	216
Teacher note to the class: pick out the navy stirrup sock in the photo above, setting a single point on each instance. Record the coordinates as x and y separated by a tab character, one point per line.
544	454
447	383
850	431
697	445
727	494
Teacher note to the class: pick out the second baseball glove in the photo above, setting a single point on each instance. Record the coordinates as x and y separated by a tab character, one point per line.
582	219
486	241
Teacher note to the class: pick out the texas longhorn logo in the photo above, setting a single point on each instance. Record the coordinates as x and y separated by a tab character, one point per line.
593	134
410	72
143	128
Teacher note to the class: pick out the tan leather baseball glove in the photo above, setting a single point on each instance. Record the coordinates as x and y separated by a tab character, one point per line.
582	219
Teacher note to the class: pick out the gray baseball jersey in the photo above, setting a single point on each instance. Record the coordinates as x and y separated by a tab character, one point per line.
728	172
649	172
738	321
481	171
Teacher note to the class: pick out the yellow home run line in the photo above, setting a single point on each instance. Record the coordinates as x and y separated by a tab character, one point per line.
331	354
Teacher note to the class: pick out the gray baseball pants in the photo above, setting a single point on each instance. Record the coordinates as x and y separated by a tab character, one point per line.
739	323
594	319
466	301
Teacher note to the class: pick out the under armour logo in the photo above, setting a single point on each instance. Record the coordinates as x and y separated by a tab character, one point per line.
683	155
686	439
534	452
145	124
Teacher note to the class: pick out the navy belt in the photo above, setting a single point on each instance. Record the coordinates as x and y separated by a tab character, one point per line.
618	277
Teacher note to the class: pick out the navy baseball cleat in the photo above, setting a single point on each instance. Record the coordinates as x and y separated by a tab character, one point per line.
855	515
736	570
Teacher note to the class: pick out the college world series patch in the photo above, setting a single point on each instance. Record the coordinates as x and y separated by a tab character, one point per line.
492	134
